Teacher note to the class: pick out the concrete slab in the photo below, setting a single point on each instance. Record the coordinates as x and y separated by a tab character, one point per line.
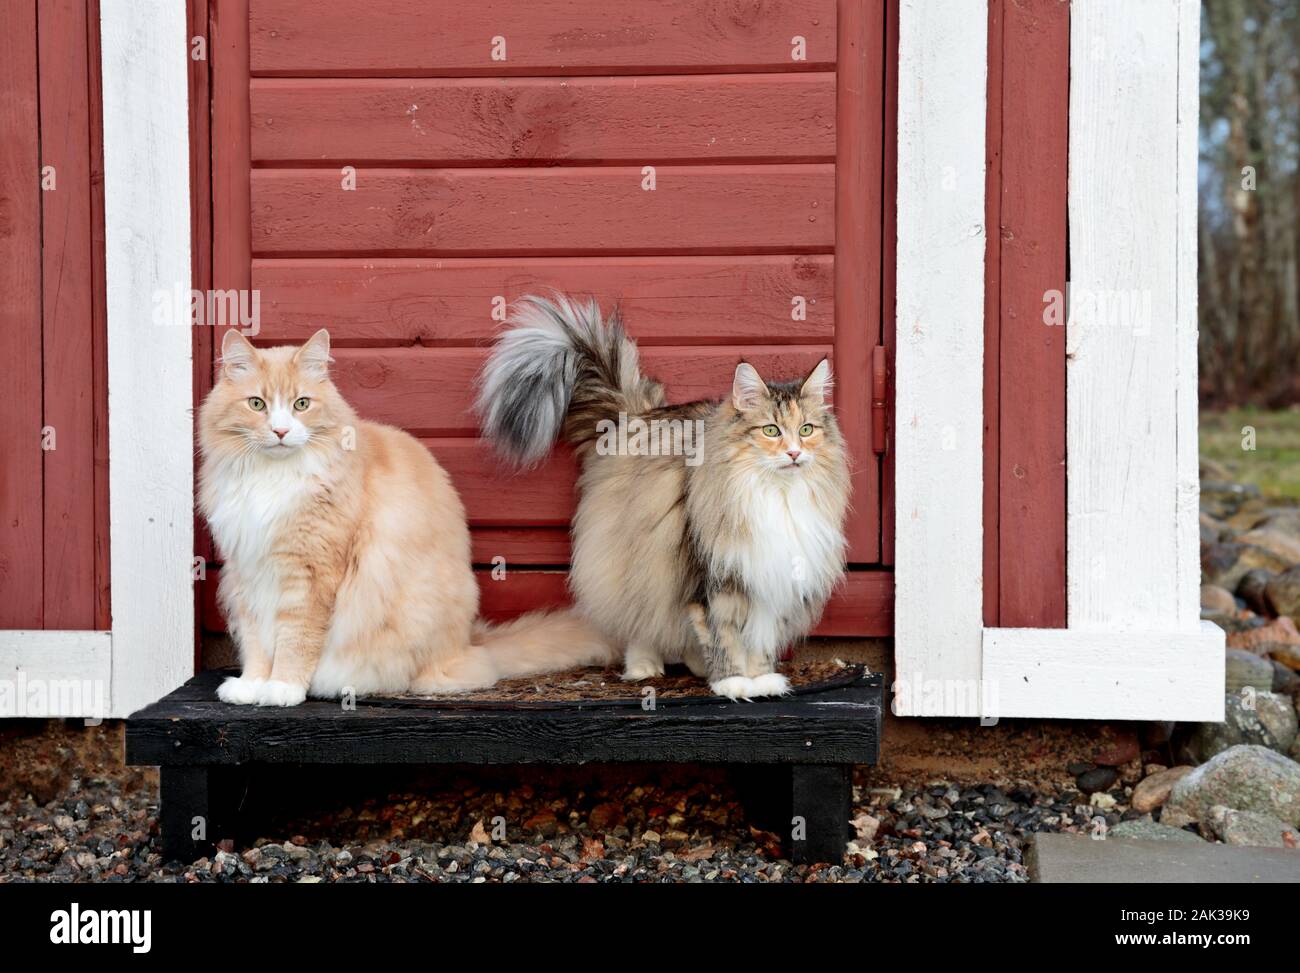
1059	858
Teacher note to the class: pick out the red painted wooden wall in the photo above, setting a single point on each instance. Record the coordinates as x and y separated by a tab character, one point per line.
479	179
53	501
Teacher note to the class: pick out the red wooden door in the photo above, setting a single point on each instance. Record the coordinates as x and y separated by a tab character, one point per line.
398	170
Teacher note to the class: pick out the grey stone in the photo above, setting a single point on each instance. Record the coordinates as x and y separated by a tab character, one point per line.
1280	542
1252	587
1097	779
1243	669
1247	777
1251	829
1226	564
1145	829
1285	681
1216	600
1283	592
1250	716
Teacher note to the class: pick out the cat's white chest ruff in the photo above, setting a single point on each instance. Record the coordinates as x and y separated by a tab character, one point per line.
251	509
793	548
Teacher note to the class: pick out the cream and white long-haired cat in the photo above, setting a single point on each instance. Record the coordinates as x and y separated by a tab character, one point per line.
346	551
719	562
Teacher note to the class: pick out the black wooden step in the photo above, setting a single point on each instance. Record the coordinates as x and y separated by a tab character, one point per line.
809	740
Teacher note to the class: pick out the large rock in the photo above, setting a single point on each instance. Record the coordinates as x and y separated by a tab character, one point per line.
1284	544
1279	518
1285	681
1264	718
1274	513
1217	600
1153	790
1252	589
1283	592
1261	639
1148	830
1247	778
1286	653
1242	668
1251	829
1225	564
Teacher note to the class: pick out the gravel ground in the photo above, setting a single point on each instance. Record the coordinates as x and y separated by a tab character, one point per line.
602	824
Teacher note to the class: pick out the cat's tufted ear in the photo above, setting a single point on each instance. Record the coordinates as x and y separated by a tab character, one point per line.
818	384
747	388
236	354
313	358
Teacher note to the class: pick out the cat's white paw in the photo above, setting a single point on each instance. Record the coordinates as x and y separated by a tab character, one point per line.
639	669
273	692
770	684
734	687
239	690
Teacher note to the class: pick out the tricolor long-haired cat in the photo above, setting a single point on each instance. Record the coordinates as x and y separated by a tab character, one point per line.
347	555
720	561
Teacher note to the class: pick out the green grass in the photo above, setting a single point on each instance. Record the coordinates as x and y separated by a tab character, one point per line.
1274	464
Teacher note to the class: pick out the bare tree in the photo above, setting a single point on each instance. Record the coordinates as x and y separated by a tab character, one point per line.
1250	196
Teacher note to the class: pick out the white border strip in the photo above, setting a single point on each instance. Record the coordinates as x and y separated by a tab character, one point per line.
150	425
938	607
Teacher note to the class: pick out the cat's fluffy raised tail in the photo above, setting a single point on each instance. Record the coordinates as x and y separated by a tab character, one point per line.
543	642
557	371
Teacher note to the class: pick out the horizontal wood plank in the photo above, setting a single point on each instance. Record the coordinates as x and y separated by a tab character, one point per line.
429	391
540	121
501	37
520	545
497	496
861	606
665	300
467	212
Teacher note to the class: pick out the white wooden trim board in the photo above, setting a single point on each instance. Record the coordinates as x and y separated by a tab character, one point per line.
145	50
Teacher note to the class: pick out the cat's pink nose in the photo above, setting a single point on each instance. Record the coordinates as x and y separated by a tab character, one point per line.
794	455
281	432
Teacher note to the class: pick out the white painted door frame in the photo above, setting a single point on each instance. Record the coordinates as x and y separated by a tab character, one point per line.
150	648
1135	647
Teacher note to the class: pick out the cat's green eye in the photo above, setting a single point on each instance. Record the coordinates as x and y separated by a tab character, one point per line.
301	405
806	429
256	404
772	431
